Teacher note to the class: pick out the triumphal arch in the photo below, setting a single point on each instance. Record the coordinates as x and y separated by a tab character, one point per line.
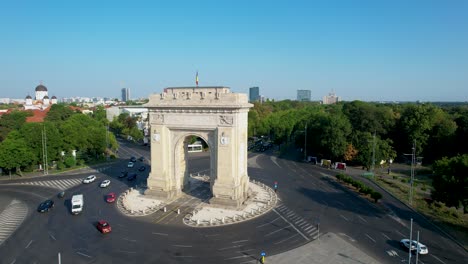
214	114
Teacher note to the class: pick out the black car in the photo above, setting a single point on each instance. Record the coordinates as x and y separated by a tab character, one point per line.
133	159
142	168
123	174
61	194
132	177
141	158
45	206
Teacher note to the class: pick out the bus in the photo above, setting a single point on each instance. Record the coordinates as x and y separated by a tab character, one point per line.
195	148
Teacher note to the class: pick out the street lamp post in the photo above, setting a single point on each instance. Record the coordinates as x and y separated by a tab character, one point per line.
305	142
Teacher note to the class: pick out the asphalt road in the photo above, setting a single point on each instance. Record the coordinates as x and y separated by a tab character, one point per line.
309	200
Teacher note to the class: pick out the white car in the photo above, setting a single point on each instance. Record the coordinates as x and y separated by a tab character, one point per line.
105	183
422	249
131	164
89	179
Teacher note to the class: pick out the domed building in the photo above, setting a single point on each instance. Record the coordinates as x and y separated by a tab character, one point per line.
41	91
41	100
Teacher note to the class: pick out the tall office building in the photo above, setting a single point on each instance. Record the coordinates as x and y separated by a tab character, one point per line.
303	95
125	94
254	94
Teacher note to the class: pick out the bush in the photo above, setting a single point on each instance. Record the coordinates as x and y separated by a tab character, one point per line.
376	196
60	165
403	180
395	177
70	161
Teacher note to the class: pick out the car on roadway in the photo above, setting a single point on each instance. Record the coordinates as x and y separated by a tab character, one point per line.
421	248
45	206
61	194
141	158
132	177
104	227
133	159
142	168
123	174
89	179
110	197
130	164
105	183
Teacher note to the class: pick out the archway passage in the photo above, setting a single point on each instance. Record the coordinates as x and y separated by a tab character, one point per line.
216	116
197	172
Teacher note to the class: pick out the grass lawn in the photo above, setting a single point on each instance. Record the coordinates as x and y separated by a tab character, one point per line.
397	182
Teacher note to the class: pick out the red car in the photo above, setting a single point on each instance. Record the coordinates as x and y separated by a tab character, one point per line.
110	198
104	227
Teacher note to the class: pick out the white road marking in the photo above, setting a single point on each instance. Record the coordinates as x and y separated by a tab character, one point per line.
236	246
297	230
350	238
240	241
52	236
399	233
131	240
286	239
185	246
160	234
362	218
129	252
30	242
83	254
243	256
268	222
276	231
370	238
344	217
385	236
438	259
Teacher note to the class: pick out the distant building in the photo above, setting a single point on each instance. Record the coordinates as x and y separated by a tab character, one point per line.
41	100
303	95
125	94
254	94
331	98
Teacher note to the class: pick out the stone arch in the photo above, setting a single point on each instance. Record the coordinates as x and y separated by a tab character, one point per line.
181	173
217	116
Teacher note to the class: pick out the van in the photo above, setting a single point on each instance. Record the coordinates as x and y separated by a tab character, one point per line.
77	204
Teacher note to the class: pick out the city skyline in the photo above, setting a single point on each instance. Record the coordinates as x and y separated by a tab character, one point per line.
374	51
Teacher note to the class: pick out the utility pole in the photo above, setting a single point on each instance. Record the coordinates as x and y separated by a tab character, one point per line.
410	241
305	143
417	252
413	161
373	155
107	141
44	150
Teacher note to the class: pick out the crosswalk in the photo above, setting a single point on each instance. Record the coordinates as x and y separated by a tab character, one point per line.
304	226
11	218
62	184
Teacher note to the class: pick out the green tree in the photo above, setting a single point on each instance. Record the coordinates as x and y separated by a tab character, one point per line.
12	121
14	153
59	113
451	181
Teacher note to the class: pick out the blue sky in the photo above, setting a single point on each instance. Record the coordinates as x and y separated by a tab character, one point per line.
363	50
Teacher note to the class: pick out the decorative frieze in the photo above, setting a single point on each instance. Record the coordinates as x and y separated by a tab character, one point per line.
226	120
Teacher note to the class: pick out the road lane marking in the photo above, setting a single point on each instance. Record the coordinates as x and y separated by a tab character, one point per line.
362	218
370	238
385	236
50	234
236	246
344	217
160	234
297	230
131	240
83	254
240	241
268	222
438	259
243	256
129	252
185	246
276	231
30	242
399	233
286	239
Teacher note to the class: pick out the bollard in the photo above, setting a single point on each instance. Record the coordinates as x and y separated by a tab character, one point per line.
131	211
222	220
165	209
234	218
178	211
211	221
198	221
252	211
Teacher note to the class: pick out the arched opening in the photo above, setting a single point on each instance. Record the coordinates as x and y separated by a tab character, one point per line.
193	166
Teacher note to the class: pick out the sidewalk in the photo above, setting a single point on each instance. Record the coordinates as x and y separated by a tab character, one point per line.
329	249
